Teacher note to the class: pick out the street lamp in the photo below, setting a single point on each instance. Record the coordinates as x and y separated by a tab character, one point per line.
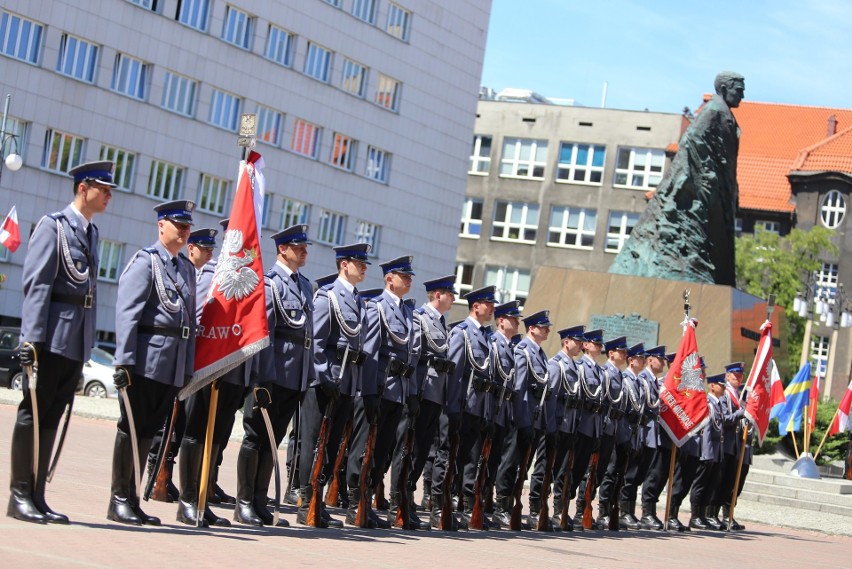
13	161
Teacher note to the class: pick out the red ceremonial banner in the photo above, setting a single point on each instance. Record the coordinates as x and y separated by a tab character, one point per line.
683	402
233	323
758	388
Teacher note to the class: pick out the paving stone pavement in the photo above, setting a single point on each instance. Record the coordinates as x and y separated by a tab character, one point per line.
81	490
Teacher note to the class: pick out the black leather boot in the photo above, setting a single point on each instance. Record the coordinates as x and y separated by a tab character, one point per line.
305	496
674	523
488	498
535	509
414	520
144	448
502	507
45	449
435	516
379	501
426	500
246	474
261	486
649	517
209	515
189	467
120	504
602	522
580	507
393	507
374	518
353	495
21	505
711	514
697	519
628	515
726	519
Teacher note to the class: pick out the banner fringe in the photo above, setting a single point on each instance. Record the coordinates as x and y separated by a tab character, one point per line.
207	375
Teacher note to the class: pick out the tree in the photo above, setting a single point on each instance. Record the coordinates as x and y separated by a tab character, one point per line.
767	264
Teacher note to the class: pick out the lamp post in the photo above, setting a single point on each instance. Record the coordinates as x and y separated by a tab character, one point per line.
13	161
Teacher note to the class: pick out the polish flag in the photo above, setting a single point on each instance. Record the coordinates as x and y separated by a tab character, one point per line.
813	401
841	419
776	388
10	233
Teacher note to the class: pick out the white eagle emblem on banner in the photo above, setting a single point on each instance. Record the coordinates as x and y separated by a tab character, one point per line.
234	278
690	377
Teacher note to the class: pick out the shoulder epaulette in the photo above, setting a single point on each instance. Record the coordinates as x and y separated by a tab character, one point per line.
462	326
269	274
151	250
56	215
420	310
326	287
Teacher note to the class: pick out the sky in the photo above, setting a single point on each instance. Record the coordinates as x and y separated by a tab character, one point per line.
662	55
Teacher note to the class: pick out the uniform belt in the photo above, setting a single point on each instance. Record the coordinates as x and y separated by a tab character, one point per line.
356	357
440	365
84	300
172	331
481	384
399	368
295	338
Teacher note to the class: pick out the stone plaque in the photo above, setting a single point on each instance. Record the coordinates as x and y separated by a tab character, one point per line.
636	328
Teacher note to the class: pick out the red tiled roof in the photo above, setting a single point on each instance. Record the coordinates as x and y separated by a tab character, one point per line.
833	154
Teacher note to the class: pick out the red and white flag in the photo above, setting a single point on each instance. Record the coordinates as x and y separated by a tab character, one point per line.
841	420
734	395
683	402
10	233
758	388
776	388
233	324
813	401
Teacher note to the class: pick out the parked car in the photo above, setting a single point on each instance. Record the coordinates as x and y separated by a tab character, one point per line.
11	375
97	375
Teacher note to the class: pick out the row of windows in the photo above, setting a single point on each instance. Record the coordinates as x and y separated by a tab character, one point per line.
398	21
511	283
577	163
569	226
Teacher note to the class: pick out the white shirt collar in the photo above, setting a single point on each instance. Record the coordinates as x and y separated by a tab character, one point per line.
287	270
84	223
394	297
347	285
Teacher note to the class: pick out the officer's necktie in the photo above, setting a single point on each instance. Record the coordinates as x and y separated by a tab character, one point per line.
357	296
89	236
443	322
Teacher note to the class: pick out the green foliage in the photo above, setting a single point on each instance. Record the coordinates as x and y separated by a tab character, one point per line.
770	264
833	449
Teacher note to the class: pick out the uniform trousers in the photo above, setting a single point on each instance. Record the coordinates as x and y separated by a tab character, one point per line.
515	444
621	456
658	475
584	447
231	397
387	421
472	435
150	401
637	471
57	382
425	433
684	475
564	445
283	405
542	441
605	453
311	414
704	486
727	476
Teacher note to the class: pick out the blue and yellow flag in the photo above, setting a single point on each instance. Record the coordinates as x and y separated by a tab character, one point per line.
797	392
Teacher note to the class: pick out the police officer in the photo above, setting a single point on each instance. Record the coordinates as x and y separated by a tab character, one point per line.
57	330
199	247
155	347
338	358
282	375
732	441
706	479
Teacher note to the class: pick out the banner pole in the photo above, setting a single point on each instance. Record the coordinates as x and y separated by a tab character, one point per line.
669	488
795	444
737	478
825	436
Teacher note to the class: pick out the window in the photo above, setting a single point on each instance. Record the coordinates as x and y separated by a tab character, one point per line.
293	212
269	125
335	3
368	233
571	227
471	220
343	151
580	163
17	128
165	180
524	158
237	28
515	221
331	227
317	62
826	281
766	225
512	284
125	162
62	151
224	110
109	255
738	226
480	158
464	281
640	168
280	46
179	94
130	76
398	19
819	354
387	94
267	207
378	164
19	37
364	10
353	80
4	256
305	138
621	223
212	193
833	209
77	58
193	13
147	4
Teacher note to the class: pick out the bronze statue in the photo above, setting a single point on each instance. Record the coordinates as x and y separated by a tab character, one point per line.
687	231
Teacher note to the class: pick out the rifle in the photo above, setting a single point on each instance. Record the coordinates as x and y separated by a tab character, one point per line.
518	490
566	488
544	514
403	515
447	497
314	516
157	487
361	512
590	488
332	496
476	515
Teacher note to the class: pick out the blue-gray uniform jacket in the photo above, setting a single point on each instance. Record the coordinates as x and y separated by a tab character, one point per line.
628	426
503	374
711	434
564	368
531	380
155	316
337	324
432	341
389	344
650	391
56	284
731	417
611	375
470	381
591	421
288	360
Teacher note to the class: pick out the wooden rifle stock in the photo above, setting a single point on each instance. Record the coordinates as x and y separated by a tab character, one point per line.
590	488
518	490
476	515
314	517
544	523
158	482
361	512
403	515
566	489
332	495
447	497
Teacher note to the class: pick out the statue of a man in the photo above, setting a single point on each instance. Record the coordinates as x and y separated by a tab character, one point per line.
687	230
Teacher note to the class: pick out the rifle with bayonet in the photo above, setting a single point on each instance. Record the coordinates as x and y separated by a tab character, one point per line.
332	495
157	487
403	514
361	513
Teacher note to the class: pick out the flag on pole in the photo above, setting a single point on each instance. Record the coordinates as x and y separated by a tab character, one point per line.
10	232
841	419
733	395
776	388
757	393
233	324
683	403
790	414
813	401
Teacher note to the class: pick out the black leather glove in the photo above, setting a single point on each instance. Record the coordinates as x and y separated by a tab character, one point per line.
262	398
454	423
330	389
371	408
413	404
121	378
28	353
